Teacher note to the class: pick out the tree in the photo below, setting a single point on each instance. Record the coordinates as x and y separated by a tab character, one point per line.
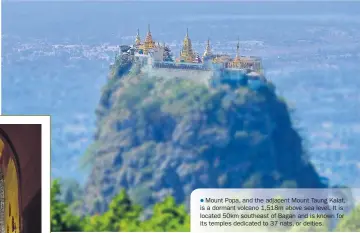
95	223
350	222
122	215
71	191
61	218
168	217
167	54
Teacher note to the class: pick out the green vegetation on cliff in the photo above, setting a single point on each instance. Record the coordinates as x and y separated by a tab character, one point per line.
159	136
61	217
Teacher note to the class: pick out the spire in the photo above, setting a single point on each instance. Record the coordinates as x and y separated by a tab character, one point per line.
238	48
149	36
237	58
186	53
208	49
137	40
148	43
187	40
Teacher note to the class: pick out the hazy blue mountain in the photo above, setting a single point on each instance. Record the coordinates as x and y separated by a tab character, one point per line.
56	57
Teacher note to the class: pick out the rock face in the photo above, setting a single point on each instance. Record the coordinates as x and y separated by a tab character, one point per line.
158	137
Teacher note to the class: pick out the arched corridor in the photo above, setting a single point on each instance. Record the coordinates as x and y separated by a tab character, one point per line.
20	178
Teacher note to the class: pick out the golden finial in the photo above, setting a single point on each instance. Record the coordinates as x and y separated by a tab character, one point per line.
187	32
149	28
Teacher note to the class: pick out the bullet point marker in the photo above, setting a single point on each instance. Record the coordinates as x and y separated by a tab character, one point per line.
201	200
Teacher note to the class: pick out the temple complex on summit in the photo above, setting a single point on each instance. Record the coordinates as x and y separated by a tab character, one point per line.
160	56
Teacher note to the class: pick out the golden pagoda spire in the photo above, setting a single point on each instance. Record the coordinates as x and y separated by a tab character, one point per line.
186	53
149	43
149	36
137	39
207	49
187	41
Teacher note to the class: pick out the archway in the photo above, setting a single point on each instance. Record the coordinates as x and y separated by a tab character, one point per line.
10	205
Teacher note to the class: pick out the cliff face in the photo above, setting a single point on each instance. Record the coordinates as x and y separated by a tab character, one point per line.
158	137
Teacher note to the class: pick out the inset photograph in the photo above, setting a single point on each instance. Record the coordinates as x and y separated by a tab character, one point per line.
21	173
